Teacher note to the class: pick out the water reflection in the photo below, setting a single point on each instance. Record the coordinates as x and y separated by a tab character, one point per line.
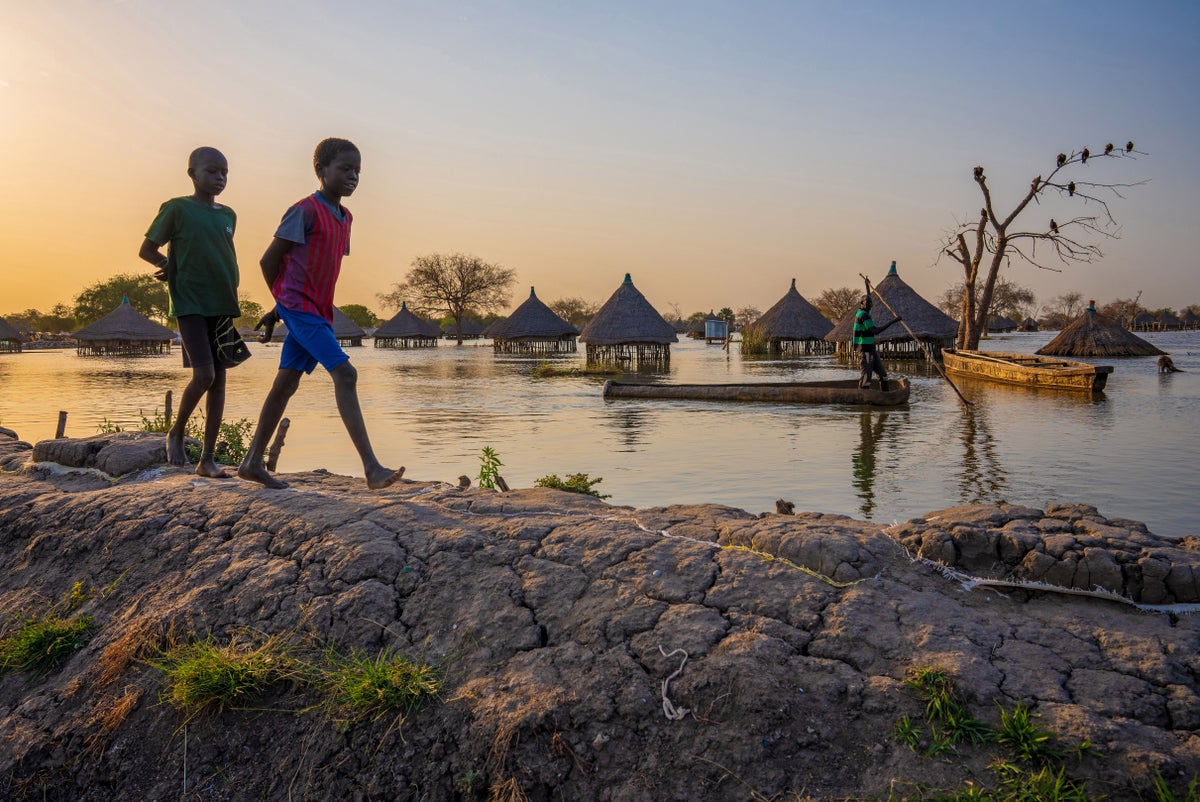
630	421
983	476
870	432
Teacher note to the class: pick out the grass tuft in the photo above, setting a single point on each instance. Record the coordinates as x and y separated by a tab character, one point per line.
208	676
575	483
42	643
1020	732
357	686
547	370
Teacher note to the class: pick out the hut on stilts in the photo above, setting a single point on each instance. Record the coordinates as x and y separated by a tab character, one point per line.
1190	320
1000	324
472	329
406	330
349	334
1028	324
10	338
123	332
1167	321
1143	321
1093	334
933	328
627	329
792	326
534	328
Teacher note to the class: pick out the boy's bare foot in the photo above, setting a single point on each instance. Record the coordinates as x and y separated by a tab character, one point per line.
381	477
258	473
176	455
209	468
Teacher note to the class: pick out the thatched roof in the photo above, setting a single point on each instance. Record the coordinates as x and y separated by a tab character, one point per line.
926	320
1144	319
1168	320
792	318
1000	323
344	328
1093	334
470	328
125	323
627	318
406	324
533	319
8	332
1190	319
1028	324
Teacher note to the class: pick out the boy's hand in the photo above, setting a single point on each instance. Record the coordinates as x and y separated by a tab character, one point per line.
267	322
161	272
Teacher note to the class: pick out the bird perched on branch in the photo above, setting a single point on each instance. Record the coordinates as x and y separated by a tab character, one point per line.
1053	226
1062	159
1083	155
1108	148
1035	183
1129	146
978	173
1071	189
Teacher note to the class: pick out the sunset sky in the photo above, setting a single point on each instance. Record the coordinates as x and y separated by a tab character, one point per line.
715	150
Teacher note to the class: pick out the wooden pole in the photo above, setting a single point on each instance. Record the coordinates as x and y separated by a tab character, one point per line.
914	336
167	411
62	425
277	446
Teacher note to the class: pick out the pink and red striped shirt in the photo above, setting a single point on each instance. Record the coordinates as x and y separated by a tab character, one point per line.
310	269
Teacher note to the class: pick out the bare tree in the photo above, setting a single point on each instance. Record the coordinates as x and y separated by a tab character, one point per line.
575	311
1008	298
836	304
1068	305
1123	310
452	284
747	315
983	246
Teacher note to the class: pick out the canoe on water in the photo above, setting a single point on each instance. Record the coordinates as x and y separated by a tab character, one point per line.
829	392
1029	370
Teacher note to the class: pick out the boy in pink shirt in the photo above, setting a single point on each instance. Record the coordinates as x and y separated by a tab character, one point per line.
301	266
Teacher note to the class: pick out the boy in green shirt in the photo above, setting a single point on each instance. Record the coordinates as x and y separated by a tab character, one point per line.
202	279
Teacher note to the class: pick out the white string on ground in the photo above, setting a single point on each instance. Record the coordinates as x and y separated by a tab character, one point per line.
672	712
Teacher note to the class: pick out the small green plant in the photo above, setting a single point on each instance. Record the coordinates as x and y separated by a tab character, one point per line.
1163	792
233	437
546	370
357	686
575	483
907	732
207	675
943	706
466	783
107	427
489	468
42	643
1019	731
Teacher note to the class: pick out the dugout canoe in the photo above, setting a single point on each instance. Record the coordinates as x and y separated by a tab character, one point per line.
1029	370
827	392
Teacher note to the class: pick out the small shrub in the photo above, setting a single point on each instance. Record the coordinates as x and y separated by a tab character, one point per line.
206	675
1019	731
943	706
907	732
42	643
575	483
357	686
754	342
489	468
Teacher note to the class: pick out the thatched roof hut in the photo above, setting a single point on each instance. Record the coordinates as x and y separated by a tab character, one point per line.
695	329
123	332
1167	321
348	333
1190	320
406	330
793	324
934	329
1028	324
534	328
1000	324
10	338
472	329
628	329
1143	321
1093	334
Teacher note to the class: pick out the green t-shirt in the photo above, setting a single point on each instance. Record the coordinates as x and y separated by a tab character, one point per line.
202	271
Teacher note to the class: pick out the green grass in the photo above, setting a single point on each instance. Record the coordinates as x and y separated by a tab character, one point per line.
207	676
575	483
547	370
1020	732
357	686
1163	792
42	643
944	707
233	437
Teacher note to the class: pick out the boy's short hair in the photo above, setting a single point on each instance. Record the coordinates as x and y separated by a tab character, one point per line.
328	149
202	152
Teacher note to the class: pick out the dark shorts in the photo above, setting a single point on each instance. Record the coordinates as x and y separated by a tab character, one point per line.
198	333
310	340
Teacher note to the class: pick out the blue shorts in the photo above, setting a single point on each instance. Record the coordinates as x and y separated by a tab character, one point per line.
310	340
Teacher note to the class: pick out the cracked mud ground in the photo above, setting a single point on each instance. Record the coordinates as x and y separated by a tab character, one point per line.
550	614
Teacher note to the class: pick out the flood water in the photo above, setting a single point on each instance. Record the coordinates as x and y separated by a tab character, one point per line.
1131	451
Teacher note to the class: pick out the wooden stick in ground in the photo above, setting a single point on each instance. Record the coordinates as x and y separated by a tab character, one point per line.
62	425
915	339
167	410
277	445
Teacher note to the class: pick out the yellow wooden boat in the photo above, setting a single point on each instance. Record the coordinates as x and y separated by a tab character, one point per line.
1029	370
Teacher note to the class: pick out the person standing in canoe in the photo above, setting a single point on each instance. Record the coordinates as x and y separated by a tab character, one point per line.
864	343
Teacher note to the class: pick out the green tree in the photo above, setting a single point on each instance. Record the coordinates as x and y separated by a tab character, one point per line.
146	294
575	311
981	247
251	312
452	284
362	316
726	314
835	304
1009	299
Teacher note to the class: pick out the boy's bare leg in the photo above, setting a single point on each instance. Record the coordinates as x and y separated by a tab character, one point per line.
252	468
345	388
202	379
214	408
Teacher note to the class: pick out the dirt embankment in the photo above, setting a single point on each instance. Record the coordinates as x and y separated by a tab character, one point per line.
557	618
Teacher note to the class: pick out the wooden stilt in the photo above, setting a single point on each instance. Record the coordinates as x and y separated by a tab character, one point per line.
62	425
167	410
